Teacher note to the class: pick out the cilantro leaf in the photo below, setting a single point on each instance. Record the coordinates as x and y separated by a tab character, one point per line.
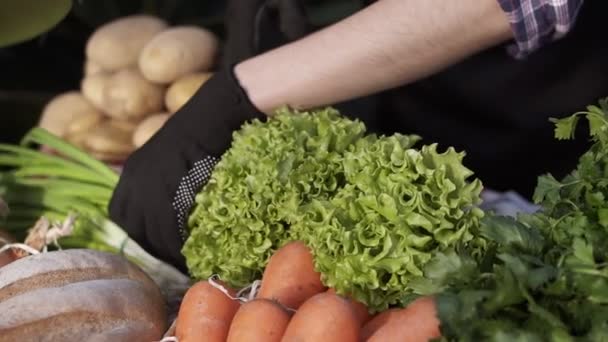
547	189
597	120
564	128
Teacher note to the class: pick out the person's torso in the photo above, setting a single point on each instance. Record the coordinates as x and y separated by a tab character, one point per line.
497	108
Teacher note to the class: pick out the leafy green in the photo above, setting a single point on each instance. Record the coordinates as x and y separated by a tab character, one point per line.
547	278
542	292
399	207
372	209
245	210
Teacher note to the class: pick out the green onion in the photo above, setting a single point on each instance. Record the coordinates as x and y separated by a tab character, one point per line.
43	137
72	183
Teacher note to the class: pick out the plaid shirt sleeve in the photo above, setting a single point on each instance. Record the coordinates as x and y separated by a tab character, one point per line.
536	23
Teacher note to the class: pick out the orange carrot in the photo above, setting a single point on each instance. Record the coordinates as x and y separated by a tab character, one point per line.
359	308
205	314
260	320
290	276
418	322
377	322
324	317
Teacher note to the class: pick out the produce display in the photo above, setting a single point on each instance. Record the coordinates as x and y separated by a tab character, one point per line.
138	71
309	229
534	277
373	209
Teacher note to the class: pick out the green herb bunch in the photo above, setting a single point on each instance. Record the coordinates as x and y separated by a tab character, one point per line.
545	276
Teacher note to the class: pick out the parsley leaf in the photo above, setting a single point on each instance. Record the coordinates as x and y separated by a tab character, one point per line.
548	273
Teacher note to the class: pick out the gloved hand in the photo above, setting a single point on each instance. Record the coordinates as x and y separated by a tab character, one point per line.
160	180
255	26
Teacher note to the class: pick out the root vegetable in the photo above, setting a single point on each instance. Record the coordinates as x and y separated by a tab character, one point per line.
182	90
147	128
176	52
205	314
92	88
84	123
108	139
290	276
92	68
359	308
260	320
324	317
112	158
124	125
63	109
127	95
78	130
418	322
77	139
377	322
117	44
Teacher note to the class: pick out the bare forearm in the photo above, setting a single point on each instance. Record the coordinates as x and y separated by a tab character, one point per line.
390	43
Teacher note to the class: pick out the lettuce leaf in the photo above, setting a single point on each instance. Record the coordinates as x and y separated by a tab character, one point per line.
244	212
373	210
398	208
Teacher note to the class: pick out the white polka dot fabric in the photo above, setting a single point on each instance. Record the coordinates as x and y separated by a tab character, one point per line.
189	187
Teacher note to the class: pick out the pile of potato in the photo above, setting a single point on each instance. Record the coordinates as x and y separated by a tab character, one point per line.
138	72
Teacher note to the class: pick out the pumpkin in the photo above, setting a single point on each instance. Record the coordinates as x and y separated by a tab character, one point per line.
79	295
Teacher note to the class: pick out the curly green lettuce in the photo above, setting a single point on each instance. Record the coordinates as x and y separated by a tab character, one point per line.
244	212
373	210
398	208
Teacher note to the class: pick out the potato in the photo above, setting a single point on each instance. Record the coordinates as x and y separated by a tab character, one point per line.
117	44
92	68
63	109
126	126
78	130
182	90
77	139
148	128
84	123
109	157
176	52
92	87
109	139
127	95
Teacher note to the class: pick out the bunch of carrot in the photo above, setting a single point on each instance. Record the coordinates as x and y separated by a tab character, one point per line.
294	305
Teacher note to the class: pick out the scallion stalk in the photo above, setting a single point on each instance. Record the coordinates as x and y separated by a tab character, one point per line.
72	182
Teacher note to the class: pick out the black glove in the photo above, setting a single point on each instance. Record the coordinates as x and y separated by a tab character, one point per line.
255	26
160	180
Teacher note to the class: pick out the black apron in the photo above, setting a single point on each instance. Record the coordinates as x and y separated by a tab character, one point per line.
497	109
